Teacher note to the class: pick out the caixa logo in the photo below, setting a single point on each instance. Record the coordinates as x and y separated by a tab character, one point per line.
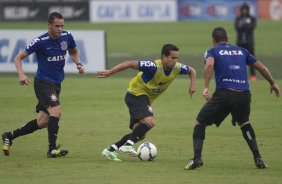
9	48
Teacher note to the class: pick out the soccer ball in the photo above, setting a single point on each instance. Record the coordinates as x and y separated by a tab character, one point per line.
147	151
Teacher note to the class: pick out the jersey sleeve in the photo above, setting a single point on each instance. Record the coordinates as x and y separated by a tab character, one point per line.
208	53
184	69
32	46
250	59
148	68
72	43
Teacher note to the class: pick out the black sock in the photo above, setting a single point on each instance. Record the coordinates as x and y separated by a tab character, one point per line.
138	133
118	144
28	128
250	137
198	140
53	129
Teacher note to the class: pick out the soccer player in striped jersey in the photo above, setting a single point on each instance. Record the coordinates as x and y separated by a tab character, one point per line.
50	49
153	79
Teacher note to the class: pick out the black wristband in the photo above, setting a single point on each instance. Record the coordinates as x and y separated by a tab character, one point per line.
79	65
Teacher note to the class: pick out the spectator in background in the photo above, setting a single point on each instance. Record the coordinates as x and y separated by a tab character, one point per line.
245	25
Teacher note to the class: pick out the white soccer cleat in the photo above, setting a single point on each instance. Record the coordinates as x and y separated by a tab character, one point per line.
130	150
110	155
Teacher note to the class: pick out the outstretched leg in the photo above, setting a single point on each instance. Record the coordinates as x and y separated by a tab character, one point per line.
198	141
250	137
139	133
7	137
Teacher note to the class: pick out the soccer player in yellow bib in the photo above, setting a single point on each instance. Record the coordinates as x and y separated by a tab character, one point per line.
153	79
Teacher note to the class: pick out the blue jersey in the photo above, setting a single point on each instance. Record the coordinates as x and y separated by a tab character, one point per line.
50	55
230	66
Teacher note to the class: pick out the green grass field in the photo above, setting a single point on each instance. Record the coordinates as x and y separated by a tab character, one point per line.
95	115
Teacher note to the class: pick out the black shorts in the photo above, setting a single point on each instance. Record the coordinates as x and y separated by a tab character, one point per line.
139	107
224	102
47	94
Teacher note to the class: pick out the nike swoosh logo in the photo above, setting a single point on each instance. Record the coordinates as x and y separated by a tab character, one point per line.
33	13
79	12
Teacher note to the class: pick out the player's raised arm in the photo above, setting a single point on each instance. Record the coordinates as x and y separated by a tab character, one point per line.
192	75
23	79
73	52
120	67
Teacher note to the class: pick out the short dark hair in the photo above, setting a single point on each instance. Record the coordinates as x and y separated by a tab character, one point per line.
54	15
219	34
245	6
167	48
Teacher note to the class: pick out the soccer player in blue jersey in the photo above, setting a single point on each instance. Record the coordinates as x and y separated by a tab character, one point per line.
153	79
50	49
232	94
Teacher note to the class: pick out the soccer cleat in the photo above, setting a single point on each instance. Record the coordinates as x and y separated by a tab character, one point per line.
194	163
57	153
260	164
130	150
110	155
6	144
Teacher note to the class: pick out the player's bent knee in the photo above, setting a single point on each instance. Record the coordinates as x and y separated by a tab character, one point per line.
149	121
150	124
42	119
197	123
55	111
42	124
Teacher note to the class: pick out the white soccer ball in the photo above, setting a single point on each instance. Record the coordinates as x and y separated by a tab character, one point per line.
147	151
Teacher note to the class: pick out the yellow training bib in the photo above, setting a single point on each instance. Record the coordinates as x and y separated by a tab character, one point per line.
157	84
